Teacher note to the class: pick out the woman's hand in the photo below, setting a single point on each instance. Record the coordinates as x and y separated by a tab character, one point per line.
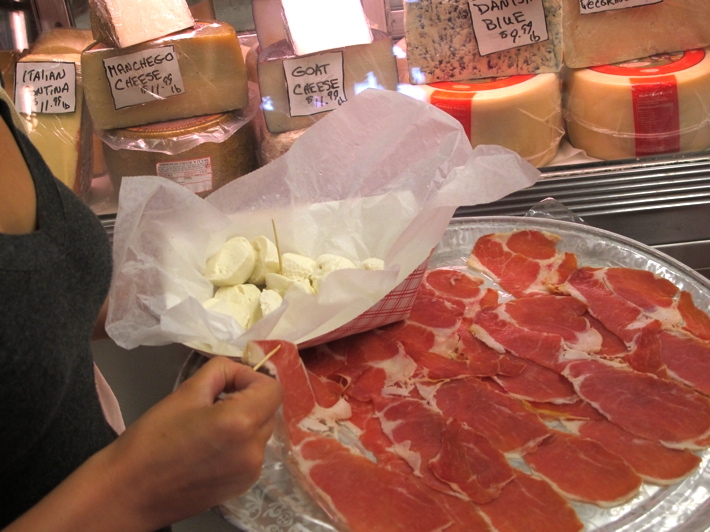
198	447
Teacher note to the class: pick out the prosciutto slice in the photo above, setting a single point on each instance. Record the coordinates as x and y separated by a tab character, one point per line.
336	473
446	455
687	358
584	470
652	462
695	321
537	383
528	503
522	262
507	424
656	409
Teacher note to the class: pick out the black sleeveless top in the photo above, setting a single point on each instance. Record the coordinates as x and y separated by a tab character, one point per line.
52	285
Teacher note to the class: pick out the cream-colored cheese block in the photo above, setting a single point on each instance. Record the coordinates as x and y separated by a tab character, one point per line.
240	314
282	284
62	41
267	259
247	296
64	139
655	105
297	267
317	25
269	24
123	23
326	264
296	91
611	36
521	113
233	264
269	301
442	46
373	264
195	72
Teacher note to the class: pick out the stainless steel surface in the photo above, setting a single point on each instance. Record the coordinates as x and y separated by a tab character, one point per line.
662	202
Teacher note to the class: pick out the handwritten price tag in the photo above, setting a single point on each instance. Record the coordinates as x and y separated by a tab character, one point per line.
504	24
45	87
315	83
144	76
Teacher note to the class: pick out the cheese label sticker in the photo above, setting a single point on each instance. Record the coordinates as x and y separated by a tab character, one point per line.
315	83
193	174
500	25
656	115
587	7
45	87
143	77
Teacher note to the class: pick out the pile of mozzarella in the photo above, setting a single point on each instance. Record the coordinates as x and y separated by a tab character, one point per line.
251	277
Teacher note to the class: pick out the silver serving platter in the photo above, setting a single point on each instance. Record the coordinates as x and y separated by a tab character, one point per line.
276	503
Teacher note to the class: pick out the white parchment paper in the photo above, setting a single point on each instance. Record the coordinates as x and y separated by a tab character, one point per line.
381	176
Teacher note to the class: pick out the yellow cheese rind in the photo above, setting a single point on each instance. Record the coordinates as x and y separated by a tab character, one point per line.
622	34
599	116
123	23
363	66
525	117
64	139
63	41
212	68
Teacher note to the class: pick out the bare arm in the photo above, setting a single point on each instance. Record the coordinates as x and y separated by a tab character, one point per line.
191	451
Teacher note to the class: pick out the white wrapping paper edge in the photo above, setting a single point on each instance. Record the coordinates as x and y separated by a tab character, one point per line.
381	176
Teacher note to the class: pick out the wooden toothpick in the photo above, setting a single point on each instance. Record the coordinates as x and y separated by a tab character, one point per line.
278	247
267	357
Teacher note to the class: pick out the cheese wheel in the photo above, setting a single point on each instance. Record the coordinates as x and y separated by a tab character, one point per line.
612	35
210	163
190	73
655	105
297	91
123	23
521	113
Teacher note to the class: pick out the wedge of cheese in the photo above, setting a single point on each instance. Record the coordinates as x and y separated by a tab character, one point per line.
656	105
613	35
521	113
122	23
442	45
50	98
269	26
191	73
317	25
296	91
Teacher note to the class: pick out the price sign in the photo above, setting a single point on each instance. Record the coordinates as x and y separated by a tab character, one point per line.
144	76
597	6
45	87
315	83
504	24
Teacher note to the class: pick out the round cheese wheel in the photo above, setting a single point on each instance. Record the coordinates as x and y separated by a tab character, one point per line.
655	105
212	160
521	113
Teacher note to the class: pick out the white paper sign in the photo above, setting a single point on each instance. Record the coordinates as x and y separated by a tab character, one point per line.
144	76
315	83
45	87
596	6
504	24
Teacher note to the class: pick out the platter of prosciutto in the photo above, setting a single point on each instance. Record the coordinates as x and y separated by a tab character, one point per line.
551	376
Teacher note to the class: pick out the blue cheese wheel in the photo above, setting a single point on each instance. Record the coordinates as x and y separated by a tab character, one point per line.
521	113
442	46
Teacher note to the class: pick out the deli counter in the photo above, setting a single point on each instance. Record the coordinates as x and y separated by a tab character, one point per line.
656	192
